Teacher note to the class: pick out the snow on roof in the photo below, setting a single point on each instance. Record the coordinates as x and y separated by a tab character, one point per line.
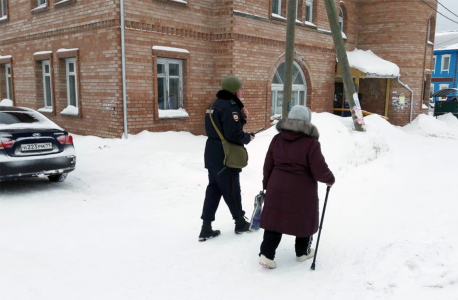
447	40
371	64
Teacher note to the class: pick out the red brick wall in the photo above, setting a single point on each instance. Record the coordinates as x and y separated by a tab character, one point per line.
397	31
248	43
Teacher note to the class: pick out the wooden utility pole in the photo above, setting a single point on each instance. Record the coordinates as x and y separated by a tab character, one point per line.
350	93
289	55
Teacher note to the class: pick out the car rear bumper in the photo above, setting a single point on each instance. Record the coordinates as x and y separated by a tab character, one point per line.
20	167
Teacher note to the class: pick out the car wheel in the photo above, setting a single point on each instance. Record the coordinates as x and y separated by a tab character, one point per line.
58	177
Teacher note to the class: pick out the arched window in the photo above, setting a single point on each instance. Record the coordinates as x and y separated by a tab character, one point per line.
299	92
341	19
431	29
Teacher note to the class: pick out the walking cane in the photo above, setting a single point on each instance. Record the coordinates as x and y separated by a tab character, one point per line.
321	226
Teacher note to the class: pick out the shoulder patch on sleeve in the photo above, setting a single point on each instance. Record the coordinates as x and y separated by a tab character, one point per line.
232	102
235	116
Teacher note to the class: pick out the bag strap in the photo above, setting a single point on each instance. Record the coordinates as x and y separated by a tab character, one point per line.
214	125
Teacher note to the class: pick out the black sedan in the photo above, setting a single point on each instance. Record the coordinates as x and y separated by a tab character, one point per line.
32	145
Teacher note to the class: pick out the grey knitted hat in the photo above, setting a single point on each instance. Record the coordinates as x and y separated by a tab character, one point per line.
231	84
300	112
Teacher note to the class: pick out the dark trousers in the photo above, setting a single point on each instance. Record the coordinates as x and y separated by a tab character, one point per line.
227	185
272	240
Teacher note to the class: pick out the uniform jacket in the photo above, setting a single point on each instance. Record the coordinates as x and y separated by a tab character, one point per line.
293	166
229	119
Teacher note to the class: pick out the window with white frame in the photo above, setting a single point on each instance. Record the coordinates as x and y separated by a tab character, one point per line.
445	65
441	87
298	94
3	11
433	67
9	82
341	20
276	7
309	11
41	2
72	82
170	83
47	91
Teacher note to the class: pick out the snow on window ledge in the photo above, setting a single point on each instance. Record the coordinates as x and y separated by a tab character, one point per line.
4	18
180	1
70	111
43	6
430	43
5	56
310	24
344	35
45	109
423	106
63	1
171	49
42	52
67	50
6	102
278	17
173	113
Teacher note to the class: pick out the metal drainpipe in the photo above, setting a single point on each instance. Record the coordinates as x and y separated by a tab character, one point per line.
411	97
123	63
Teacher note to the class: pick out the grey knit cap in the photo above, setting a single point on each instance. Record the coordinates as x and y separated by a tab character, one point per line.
300	112
231	84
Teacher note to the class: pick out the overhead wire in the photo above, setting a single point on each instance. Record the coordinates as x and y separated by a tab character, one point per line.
438	11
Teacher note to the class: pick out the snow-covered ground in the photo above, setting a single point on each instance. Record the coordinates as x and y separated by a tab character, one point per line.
125	223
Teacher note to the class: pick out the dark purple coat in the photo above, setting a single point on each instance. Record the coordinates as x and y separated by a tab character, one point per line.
294	164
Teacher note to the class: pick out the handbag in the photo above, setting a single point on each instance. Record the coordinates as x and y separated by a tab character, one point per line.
256	217
235	156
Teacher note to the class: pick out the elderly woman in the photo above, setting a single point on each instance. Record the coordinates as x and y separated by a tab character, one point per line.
293	166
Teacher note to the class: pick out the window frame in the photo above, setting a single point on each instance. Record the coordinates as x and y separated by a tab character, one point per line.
309	3
341	19
433	64
3	10
279	7
69	73
9	82
45	63
449	56
276	87
166	61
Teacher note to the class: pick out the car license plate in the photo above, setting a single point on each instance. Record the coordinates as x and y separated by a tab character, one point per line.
36	147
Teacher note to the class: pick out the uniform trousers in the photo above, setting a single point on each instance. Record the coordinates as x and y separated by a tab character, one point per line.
227	185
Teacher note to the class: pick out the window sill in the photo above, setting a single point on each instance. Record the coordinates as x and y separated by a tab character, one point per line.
40	8
70	111
278	17
180	1
45	110
310	24
64	2
173	113
4	18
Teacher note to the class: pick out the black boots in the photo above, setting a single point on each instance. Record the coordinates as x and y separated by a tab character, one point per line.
241	225
207	232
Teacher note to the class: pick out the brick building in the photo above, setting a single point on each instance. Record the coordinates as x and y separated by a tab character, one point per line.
64	57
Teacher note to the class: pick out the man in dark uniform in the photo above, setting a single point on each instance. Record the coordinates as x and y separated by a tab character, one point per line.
229	115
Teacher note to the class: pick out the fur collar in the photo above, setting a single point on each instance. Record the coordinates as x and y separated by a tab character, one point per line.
226	95
298	126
